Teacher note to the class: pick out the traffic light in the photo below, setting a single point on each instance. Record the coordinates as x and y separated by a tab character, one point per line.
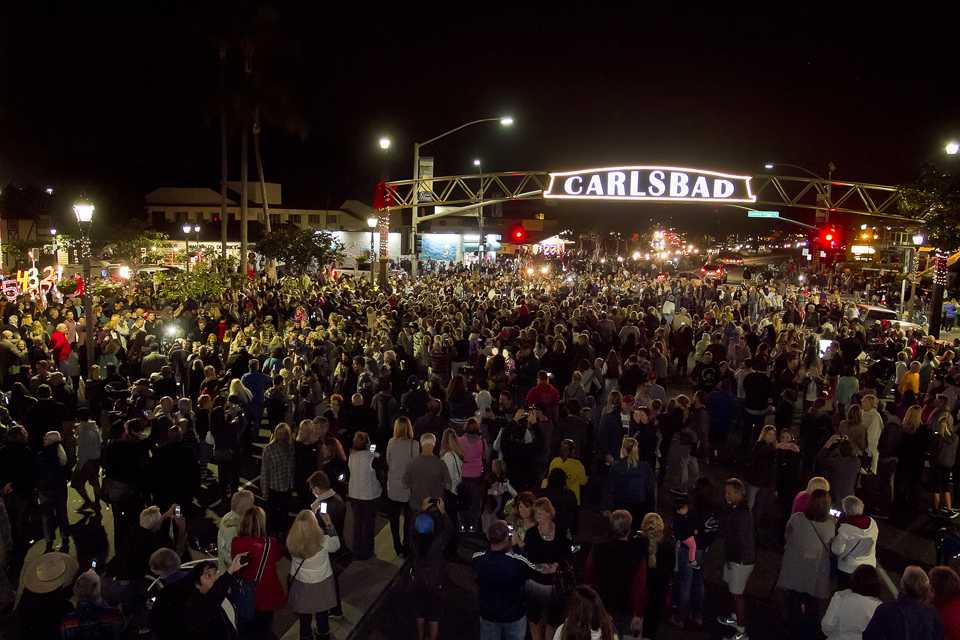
517	234
829	238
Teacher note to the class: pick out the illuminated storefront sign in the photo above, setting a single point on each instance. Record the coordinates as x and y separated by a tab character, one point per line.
654	183
29	282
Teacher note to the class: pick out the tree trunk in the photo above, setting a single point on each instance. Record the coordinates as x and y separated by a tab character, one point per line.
271	267
224	168
244	161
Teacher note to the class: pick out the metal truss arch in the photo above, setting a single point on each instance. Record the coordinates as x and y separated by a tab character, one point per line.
785	192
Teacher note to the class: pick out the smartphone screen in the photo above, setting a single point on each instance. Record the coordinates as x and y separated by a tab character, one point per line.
373	448
93	564
176	511
323	507
835	513
341	477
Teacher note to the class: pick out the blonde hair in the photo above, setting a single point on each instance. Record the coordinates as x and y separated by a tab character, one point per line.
544	504
283	429
912	419
818	482
305	539
307	432
253	523
652	527
945	422
449	442
631	450
402	428
767	429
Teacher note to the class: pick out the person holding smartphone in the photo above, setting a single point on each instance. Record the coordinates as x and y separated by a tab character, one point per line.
363	491
203	613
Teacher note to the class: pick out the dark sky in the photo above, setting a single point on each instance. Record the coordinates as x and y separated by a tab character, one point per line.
118	99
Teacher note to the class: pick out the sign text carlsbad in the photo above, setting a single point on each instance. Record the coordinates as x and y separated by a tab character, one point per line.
655	183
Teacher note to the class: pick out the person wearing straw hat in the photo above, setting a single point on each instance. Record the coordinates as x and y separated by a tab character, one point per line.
47	583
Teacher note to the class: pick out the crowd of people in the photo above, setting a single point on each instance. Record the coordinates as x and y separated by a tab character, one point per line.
597	441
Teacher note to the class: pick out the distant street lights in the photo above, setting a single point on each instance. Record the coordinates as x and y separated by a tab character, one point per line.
372	224
952	148
187	228
505	121
385	143
84	209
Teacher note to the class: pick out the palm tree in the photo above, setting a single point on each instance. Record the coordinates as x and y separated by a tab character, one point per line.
224	168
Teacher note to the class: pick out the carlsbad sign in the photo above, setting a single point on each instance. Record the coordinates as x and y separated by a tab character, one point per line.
653	183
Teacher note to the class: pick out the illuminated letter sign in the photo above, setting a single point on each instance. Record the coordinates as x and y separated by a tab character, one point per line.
658	184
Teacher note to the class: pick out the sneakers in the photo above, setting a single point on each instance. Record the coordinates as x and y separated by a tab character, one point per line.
729	620
740	635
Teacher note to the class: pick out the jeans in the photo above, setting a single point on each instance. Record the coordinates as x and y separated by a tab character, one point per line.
394	511
364	521
473	488
323	625
688	587
54	509
516	630
803	613
278	511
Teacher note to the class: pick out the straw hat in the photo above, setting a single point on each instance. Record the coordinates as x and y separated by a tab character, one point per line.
50	572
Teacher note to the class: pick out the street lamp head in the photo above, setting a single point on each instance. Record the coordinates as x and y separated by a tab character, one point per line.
952	148
371	222
196	228
187	227
83	209
53	231
918	239
385	143
506	121
476	162
49	191
768	166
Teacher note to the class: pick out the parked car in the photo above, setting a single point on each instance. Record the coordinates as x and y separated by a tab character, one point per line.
713	271
730	257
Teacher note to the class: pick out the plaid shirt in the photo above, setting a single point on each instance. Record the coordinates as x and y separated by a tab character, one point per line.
276	468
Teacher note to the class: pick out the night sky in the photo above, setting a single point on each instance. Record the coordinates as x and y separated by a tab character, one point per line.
119	99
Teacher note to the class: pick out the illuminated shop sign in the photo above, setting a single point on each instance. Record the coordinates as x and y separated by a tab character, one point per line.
654	183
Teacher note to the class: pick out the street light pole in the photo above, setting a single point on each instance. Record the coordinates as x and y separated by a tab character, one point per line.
187	228
372	224
84	212
505	121
479	165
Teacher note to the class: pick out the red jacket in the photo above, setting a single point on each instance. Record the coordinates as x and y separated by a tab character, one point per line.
950	617
59	345
270	595
544	396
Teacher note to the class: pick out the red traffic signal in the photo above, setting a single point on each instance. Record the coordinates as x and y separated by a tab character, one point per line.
517	234
829	238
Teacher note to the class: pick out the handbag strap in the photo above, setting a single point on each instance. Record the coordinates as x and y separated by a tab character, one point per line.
816	531
263	561
297	572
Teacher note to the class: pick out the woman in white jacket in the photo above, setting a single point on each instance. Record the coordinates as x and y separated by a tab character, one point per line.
312	589
856	540
851	610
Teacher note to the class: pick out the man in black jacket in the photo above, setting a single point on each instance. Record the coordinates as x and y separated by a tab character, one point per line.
202	614
740	553
501	581
46	415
